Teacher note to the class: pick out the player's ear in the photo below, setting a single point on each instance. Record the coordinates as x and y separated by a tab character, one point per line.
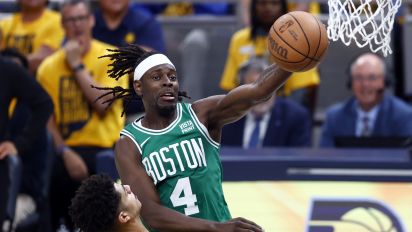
137	85
123	217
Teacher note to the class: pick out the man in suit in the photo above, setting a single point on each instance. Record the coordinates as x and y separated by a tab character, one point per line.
276	122
371	111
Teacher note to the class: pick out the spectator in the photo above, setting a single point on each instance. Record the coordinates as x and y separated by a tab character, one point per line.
252	42
82	127
15	82
276	122
119	24
371	111
35	31
119	208
186	8
312	7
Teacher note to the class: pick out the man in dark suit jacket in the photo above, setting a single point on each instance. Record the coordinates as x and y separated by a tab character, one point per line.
371	111
281	122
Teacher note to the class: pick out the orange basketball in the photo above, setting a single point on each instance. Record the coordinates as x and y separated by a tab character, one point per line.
297	41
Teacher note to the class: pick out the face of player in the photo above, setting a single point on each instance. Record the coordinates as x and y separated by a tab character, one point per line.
114	6
78	23
368	80
32	4
159	89
268	11
260	109
129	203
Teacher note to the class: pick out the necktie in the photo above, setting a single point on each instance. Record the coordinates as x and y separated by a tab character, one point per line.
254	138
365	129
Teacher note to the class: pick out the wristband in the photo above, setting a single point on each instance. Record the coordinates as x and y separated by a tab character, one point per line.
61	149
78	67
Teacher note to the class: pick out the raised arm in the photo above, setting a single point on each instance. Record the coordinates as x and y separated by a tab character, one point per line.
217	111
84	78
156	216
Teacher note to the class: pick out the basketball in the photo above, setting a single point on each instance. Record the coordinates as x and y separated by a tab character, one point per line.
297	41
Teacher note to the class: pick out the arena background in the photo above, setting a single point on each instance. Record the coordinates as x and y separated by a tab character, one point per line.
288	205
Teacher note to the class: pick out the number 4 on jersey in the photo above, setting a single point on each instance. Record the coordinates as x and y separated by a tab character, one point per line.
188	198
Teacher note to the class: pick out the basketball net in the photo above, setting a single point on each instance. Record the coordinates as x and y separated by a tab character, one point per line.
364	21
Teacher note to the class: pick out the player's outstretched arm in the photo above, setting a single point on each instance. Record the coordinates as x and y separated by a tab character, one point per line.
217	111
156	216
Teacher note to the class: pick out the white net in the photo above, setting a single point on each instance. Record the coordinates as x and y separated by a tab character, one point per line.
363	21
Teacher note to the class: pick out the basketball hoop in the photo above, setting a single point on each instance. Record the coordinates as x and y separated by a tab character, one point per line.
364	21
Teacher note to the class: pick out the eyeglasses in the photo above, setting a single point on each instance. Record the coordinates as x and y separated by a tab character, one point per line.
75	19
367	78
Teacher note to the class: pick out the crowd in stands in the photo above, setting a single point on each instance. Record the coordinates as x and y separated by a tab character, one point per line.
51	73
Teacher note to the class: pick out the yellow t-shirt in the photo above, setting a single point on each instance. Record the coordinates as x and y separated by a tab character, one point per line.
78	123
29	37
242	48
314	7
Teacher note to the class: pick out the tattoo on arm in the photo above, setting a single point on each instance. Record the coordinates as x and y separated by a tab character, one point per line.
273	78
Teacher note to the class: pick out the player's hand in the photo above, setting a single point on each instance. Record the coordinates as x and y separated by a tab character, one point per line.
75	165
7	148
239	225
73	52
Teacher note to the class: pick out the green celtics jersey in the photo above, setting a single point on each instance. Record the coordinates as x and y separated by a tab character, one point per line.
184	164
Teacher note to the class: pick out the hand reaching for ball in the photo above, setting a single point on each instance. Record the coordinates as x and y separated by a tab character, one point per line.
297	41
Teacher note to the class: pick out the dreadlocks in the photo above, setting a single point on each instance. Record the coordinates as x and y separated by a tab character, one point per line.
125	60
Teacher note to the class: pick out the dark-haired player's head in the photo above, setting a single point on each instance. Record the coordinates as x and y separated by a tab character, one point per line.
15	56
105	206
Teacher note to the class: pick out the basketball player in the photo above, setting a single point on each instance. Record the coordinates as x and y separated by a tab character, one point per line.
102	205
170	157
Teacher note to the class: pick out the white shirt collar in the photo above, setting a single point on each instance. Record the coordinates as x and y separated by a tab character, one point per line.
250	125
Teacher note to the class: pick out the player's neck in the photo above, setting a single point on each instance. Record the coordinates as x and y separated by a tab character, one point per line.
157	122
135	226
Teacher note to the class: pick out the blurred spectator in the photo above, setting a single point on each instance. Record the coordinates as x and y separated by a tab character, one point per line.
312	7
28	142
119	208
35	31
252	42
371	111
186	8
120	24
276	122
82	127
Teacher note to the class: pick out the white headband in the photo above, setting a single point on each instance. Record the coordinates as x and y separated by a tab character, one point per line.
150	62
